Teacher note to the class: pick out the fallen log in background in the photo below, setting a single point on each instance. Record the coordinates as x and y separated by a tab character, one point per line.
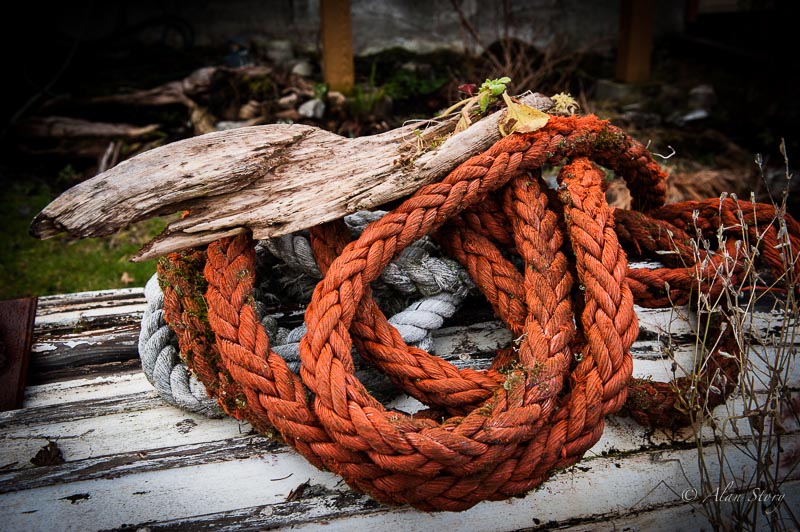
65	126
271	180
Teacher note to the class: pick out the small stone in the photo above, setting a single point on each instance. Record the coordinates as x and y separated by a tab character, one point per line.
697	114
288	102
702	97
303	68
250	110
681	119
336	100
280	52
314	108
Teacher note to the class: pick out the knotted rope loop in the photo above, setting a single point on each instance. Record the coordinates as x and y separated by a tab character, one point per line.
491	434
342	403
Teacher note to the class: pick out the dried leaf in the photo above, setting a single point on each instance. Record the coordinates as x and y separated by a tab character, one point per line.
468	88
126	278
49	455
521	118
297	493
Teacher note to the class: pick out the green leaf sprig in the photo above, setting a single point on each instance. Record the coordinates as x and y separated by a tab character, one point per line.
488	93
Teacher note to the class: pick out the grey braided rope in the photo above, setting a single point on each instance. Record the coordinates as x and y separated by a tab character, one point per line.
442	283
158	350
415	271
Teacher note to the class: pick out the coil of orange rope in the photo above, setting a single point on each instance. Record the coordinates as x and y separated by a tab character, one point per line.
488	435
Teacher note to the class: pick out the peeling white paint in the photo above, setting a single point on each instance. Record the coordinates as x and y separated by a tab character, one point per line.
43	348
75	343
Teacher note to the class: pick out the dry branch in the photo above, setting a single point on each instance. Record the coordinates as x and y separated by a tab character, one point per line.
199	83
67	127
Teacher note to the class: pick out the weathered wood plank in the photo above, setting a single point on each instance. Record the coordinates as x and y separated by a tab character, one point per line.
518	516
95	432
126	453
86	389
70	355
470	346
140	461
85	329
676	517
210	492
67	310
83	348
102	327
79	410
139	422
680	517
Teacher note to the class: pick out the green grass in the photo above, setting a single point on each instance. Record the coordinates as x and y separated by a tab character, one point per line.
31	267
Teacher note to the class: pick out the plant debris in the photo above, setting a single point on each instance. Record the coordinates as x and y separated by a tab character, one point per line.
49	455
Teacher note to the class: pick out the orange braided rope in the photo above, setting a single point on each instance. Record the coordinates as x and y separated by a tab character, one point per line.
185	311
540	406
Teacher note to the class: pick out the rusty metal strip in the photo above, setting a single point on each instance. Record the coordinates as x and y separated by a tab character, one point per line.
16	334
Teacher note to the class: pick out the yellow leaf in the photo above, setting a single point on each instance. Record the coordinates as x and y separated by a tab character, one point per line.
521	118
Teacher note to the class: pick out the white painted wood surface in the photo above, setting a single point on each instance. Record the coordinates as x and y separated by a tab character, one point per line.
133	462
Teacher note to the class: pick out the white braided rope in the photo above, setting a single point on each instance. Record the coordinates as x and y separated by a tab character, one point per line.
158	350
442	283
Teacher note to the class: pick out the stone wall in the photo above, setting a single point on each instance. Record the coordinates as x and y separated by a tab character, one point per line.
418	25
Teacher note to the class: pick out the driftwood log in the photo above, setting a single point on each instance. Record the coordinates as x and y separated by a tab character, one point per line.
271	180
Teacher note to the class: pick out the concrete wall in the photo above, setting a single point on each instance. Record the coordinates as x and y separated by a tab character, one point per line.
419	25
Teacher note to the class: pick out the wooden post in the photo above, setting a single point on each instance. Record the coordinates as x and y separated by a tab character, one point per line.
637	18
337	45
